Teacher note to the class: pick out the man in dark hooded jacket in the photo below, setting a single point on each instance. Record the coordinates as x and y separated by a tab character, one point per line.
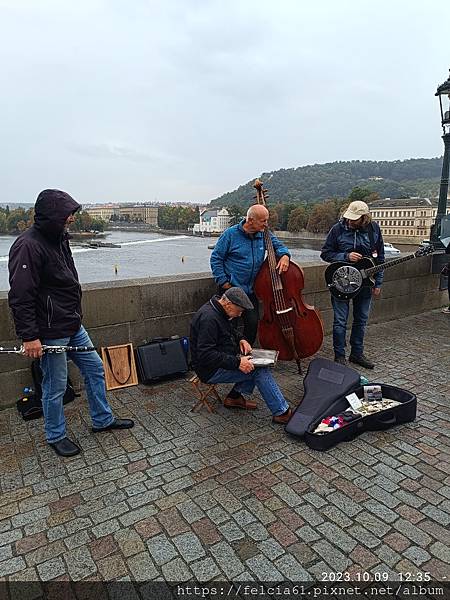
45	299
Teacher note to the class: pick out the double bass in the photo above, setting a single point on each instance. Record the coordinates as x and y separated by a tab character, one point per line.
288	324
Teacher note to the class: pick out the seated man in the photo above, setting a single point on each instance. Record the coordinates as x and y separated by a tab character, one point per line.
215	351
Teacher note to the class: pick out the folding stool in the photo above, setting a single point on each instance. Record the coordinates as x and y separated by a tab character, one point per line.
202	391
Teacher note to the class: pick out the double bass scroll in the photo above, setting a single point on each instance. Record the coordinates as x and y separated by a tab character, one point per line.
288	324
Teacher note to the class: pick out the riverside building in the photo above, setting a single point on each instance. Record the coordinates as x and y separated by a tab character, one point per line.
405	219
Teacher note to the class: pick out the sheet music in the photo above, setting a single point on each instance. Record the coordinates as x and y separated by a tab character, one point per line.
263	358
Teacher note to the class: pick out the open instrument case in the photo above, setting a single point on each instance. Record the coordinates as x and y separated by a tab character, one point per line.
326	386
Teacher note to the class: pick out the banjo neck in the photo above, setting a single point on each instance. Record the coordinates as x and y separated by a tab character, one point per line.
396	261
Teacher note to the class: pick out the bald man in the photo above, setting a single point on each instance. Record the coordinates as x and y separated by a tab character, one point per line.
237	258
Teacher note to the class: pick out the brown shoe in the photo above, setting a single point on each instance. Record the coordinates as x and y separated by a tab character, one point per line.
240	402
284	418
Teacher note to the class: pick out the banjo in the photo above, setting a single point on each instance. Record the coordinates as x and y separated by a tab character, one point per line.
345	280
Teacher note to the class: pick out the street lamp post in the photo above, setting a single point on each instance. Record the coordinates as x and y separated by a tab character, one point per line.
443	92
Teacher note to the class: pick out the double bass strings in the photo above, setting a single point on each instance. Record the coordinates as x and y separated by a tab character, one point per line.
277	286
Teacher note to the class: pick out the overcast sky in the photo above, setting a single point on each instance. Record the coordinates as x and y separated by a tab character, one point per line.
183	100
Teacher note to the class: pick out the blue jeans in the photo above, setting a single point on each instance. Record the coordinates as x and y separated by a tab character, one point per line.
54	371
361	310
245	383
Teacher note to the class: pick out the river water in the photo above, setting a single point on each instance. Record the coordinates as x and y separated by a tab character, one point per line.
147	255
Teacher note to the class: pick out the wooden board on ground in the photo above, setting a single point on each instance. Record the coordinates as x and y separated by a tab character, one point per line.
119	365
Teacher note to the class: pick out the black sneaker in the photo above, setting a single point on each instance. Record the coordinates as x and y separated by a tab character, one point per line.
340	360
116	424
65	447
361	360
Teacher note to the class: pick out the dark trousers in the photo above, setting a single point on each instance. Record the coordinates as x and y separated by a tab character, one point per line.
249	318
361	309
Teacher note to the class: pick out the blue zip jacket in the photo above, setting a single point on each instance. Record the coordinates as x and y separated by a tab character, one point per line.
341	240
237	257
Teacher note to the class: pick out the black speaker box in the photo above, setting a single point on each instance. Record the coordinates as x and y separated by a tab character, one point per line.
159	359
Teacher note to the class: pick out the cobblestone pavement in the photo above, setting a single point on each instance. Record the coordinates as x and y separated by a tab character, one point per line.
229	496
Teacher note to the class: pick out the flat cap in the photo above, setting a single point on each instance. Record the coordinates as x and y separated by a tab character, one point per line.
237	296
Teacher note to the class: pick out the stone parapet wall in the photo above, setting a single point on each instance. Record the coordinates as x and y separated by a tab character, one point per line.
136	310
299	235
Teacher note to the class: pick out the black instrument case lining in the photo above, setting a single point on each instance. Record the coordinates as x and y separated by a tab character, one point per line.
324	383
159	359
323	398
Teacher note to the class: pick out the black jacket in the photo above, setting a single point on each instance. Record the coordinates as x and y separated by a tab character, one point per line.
213	341
45	295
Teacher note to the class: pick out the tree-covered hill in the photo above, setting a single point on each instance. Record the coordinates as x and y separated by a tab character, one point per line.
309	184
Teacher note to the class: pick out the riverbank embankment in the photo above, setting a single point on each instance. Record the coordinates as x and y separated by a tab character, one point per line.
136	310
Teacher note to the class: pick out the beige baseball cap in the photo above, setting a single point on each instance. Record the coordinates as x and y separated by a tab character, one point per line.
355	210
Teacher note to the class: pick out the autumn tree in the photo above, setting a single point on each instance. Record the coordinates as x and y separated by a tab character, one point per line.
363	194
298	219
323	216
16	220
19	215
359	193
21	226
273	218
187	217
98	225
284	210
235	213
177	217
85	222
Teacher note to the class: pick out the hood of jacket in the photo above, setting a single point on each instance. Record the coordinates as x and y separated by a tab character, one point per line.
51	211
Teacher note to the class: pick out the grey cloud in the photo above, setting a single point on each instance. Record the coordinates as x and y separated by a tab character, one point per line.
187	99
115	150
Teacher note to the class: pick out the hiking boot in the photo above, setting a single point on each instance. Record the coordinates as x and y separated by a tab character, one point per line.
240	402
340	360
361	360
284	418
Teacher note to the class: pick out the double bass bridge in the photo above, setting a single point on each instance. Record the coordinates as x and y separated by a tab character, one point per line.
284	311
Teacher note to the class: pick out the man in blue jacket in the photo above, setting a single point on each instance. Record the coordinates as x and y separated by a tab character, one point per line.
353	237
45	299
238	256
